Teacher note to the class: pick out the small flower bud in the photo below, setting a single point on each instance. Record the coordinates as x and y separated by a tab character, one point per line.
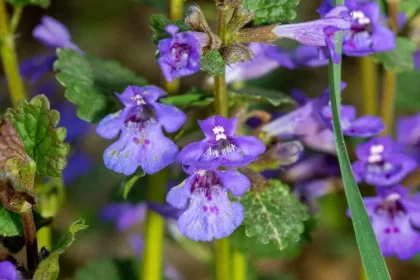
240	18
236	53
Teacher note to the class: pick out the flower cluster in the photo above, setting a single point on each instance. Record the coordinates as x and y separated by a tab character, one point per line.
204	194
139	125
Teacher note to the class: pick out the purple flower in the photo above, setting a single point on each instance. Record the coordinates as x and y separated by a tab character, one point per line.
309	192
165	210
221	147
408	136
313	167
313	122
209	213
379	165
416	59
309	56
53	34
319	32
180	54
78	164
142	142
125	214
395	220
8	271
367	33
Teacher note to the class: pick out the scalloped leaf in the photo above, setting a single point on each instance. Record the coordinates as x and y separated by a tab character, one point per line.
91	83
272	214
44	143
49	269
213	63
272	11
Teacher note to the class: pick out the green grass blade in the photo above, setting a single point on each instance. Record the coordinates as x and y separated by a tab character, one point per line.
372	259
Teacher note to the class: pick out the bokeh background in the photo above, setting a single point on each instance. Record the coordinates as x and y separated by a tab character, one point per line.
119	30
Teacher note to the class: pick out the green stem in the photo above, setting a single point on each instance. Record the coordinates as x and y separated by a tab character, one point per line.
388	100
176	9
239	263
222	247
44	237
154	229
17	13
369	79
221	107
9	57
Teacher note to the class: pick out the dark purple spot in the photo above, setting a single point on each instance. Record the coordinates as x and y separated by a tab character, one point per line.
396	230
136	140
214	210
147	141
387	230
205	208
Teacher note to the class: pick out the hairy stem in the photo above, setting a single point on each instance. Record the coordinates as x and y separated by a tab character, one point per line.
29	233
9	57
221	107
369	80
239	264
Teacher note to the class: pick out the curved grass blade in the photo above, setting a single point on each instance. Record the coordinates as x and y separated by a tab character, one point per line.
372	259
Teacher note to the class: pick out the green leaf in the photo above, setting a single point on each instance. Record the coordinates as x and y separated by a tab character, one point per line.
12	151
109	269
49	269
192	98
91	83
213	63
251	246
408	94
10	223
258	96
370	253
399	59
272	11
158	23
44	143
129	182
20	3
273	214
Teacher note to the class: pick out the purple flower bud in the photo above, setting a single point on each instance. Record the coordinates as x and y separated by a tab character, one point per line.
310	56
395	220
319	32
180	54
408	136
54	34
220	146
142	142
379	165
209	213
125	214
8	271
416	59
367	33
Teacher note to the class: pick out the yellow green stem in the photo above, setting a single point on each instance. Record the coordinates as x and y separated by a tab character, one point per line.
222	247
154	229
8	55
388	100
44	237
239	264
369	80
176	9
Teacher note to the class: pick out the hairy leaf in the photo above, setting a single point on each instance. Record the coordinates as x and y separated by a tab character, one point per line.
109	269
213	63
258	95
91	83
19	3
272	11
251	246
158	23
272	213
49	269
10	223
399	59
12	151
44	143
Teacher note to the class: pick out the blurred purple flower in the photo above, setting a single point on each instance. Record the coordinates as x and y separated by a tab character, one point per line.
416	59
165	210
309	56
320	32
309	192
379	165
408	136
124	214
313	123
221	147
78	164
8	271
209	213
395	218
367	34
142	142
180	54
